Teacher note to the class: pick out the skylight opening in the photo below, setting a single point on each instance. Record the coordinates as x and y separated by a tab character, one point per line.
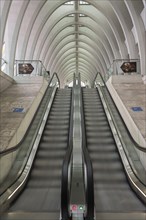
71	15
83	3
82	15
71	84
69	3
83	84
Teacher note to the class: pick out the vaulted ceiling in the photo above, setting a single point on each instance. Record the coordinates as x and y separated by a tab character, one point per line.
73	36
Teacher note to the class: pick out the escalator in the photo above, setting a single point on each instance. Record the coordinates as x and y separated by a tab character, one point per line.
40	198
113	196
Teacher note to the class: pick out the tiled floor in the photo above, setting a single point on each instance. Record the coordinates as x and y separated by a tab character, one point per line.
134	95
16	96
22	96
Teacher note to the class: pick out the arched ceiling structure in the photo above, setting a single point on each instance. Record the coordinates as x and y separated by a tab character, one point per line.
73	36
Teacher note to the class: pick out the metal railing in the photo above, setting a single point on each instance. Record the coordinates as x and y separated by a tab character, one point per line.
15	158
117	69
30	68
130	146
67	168
88	169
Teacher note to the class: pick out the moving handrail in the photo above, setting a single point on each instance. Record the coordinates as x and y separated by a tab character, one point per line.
135	171
11	154
6	151
88	169
66	168
130	136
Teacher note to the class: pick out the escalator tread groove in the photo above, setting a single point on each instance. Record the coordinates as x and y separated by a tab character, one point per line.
111	190
44	184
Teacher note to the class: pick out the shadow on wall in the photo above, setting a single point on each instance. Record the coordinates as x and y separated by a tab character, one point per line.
5	81
144	79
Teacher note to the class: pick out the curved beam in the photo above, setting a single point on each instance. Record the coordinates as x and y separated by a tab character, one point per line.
67	50
86	33
27	27
38	27
4	16
139	30
13	33
72	55
86	45
53	42
72	61
123	22
65	42
71	65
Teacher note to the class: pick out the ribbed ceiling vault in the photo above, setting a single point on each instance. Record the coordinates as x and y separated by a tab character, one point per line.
73	38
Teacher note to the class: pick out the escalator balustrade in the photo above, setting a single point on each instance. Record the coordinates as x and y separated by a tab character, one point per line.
112	192
42	193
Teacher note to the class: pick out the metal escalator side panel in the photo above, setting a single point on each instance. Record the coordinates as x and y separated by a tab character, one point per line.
111	189
67	167
123	145
29	145
42	192
88	168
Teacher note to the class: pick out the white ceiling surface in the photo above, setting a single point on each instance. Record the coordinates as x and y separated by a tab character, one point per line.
43	30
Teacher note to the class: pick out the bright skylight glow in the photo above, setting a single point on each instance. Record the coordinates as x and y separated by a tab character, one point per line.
69	3
84	3
82	15
71	15
71	84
